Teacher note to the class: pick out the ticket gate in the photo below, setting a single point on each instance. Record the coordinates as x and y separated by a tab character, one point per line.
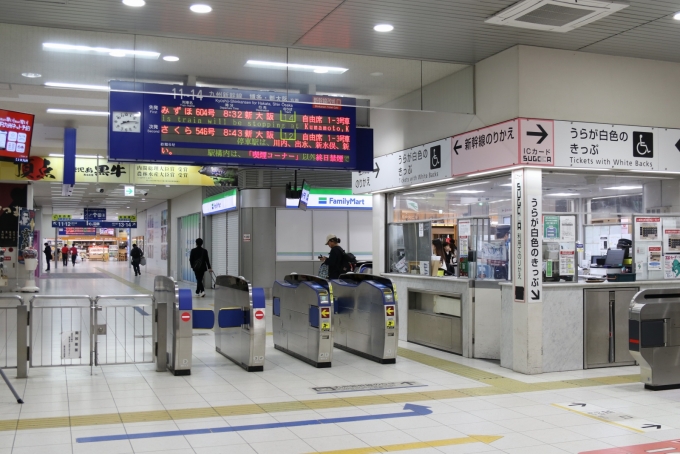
173	315
654	337
365	316
302	309
240	333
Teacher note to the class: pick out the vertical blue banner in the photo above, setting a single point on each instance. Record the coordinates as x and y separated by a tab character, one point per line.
69	156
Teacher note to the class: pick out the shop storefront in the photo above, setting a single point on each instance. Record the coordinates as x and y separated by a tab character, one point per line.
553	227
93	243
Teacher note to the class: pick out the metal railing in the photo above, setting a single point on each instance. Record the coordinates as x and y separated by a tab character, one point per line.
127	330
13	341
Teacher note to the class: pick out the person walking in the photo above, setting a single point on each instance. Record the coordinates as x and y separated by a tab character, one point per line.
64	255
136	256
74	254
200	263
336	258
48	255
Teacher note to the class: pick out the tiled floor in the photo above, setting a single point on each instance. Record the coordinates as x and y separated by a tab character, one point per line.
277	411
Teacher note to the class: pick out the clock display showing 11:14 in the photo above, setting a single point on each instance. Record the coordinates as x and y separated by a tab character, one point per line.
127	122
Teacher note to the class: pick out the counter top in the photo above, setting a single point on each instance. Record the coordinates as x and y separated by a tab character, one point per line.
583	283
423	277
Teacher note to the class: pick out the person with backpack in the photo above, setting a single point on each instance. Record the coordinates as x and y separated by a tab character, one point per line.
338	261
200	263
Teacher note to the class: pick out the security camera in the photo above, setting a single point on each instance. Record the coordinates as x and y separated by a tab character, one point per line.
99	190
145	192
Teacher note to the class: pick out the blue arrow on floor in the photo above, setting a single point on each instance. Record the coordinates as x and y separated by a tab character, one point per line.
409	410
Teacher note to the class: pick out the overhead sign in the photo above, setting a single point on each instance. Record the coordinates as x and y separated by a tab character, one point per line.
602	146
101	224
421	164
61	217
519	141
77	231
129	191
95	214
221	203
334	199
169	123
127	218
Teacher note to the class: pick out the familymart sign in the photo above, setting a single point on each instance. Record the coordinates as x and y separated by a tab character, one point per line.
220	203
338	199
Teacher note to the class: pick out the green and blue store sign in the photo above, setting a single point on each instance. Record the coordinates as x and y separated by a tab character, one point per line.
334	199
221	203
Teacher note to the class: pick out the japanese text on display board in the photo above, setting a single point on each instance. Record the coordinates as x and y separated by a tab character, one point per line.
210	125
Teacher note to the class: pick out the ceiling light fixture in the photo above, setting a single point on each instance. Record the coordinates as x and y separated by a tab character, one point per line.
466	191
677	16
94	113
31	75
77	86
58	47
134	3
117	53
563	194
488	172
466	185
420	192
170	58
294	67
383	28
200	8
624	188
376	74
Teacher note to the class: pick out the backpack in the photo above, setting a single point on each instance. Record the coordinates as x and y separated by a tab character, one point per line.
349	261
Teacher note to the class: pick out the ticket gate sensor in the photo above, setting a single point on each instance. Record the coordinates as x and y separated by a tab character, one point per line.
654	337
302	321
241	332
365	316
176	305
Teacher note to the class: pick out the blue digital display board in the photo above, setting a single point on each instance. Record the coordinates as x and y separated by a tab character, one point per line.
214	126
82	223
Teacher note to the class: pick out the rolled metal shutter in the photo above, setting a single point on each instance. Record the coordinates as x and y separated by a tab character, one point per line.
232	243
218	257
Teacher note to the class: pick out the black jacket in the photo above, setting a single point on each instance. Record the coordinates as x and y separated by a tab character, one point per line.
335	262
48	253
197	253
136	254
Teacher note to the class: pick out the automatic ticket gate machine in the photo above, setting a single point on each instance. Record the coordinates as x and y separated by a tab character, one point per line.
654	337
240	332
174	345
365	316
302	321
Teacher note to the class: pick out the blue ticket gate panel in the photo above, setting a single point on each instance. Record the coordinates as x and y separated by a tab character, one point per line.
240	331
178	336
365	319
302	321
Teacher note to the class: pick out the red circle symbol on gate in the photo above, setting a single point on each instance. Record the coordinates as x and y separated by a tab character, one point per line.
259	314
186	316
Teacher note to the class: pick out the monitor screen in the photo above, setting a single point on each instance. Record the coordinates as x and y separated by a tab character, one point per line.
304	195
593	259
614	257
16	132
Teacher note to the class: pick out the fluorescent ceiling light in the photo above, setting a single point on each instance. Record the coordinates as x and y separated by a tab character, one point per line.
295	67
420	184
383	28
466	185
57	155
624	188
170	58
472	175
200	8
420	192
506	184
677	16
117	53
466	191
376	74
134	3
31	75
58	47
615	196
563	194
93	113
77	86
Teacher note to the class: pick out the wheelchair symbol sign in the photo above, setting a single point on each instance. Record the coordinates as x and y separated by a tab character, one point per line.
643	144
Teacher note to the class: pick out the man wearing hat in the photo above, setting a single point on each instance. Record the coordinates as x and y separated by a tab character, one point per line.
335	259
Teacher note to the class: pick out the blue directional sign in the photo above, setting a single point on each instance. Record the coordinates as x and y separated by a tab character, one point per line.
409	411
95	214
101	224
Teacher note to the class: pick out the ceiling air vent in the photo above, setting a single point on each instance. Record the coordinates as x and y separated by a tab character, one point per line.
555	15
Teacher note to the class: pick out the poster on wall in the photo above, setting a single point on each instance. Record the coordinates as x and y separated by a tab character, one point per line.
654	258
671	266
567	262
671	240
568	228
26	228
551	227
12	198
647	228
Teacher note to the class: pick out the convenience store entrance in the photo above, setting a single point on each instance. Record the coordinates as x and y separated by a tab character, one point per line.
93	244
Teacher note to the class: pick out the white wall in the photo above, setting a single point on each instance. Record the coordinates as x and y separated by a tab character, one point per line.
186	204
155	264
497	87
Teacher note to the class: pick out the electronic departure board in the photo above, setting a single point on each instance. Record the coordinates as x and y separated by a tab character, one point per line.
202	125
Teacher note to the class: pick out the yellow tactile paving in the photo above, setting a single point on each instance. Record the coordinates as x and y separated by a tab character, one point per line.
418	445
493	385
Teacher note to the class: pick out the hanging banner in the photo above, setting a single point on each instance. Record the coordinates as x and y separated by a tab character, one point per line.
89	170
26	228
12	198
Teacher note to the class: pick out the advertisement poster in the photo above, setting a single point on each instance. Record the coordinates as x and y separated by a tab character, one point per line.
671	266
26	227
647	228
567	263
551	227
12	198
464	228
671	241
568	228
654	258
